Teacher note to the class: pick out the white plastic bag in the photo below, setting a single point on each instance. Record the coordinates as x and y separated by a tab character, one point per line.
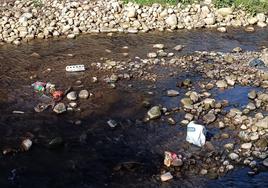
196	134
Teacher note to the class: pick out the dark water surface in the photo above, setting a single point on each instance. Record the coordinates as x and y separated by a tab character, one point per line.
93	152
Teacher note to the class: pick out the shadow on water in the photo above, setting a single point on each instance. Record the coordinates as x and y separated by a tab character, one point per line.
94	154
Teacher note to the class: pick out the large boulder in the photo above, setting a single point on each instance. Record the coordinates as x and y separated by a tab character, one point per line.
225	11
263	123
172	20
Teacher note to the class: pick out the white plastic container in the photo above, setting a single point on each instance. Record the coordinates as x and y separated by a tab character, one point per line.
196	134
75	68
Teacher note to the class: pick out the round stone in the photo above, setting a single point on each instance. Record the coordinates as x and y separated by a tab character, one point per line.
209	118
72	96
83	94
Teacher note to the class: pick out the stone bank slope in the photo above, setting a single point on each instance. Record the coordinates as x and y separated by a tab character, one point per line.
24	20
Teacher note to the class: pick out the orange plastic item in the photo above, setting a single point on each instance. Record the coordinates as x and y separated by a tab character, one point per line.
57	95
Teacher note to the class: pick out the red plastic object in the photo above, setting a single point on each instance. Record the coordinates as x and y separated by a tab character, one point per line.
57	95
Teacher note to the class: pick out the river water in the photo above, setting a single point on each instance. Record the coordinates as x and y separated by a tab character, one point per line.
92	153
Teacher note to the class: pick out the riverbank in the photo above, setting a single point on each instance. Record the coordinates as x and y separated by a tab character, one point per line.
26	20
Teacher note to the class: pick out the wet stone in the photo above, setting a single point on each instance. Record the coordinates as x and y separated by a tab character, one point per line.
172	93
26	144
171	121
246	146
72	96
83	94
154	112
178	47
167	176
60	108
221	84
209	118
252	94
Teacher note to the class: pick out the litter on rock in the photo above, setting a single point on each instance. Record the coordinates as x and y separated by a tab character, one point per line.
75	68
57	95
196	134
172	159
39	86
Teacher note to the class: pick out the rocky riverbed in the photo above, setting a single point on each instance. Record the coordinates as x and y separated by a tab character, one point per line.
139	100
26	20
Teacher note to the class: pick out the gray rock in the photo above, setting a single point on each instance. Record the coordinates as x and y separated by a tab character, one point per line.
172	20
152	55
233	156
252	94
172	93
263	123
246	146
154	112
221	84
165	177
209	118
178	47
72	96
131	12
158	46
83	94
60	108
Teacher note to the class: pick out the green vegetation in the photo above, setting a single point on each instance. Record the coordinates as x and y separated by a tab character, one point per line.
253	6
37	3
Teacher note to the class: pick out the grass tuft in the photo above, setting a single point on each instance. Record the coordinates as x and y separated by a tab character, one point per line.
253	6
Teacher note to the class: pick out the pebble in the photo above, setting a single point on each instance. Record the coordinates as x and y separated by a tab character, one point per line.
158	46
26	144
178	47
112	123
165	177
209	118
246	146
72	96
83	94
233	156
60	108
172	93
252	94
154	112
221	84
